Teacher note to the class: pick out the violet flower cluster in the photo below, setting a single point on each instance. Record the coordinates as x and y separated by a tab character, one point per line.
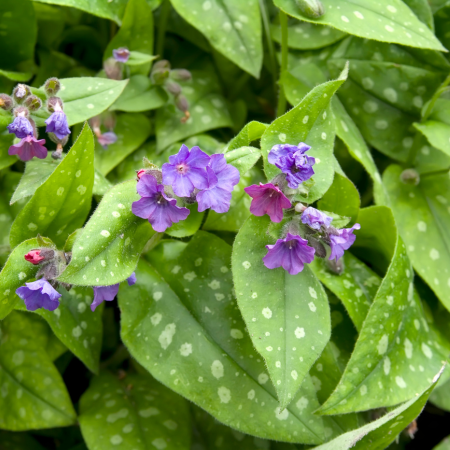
191	176
303	237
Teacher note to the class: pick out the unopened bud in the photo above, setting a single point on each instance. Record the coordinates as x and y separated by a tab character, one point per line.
21	92
336	267
52	87
121	54
6	102
300	207
33	103
173	88
317	246
312	9
156	173
54	104
21	111
34	257
180	75
181	103
113	69
160	72
410	176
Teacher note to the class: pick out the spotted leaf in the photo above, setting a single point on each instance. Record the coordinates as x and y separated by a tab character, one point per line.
251	132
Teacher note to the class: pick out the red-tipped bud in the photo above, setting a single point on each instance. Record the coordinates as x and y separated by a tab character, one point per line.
140	173
34	257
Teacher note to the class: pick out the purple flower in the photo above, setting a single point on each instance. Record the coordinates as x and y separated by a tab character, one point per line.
341	241
292	161
121	54
290	253
160	210
108	293
21	127
29	147
186	171
39	294
222	178
107	138
315	218
268	199
57	123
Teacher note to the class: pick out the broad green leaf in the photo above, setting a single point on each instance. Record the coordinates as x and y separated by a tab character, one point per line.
251	132
33	393
371	19
308	36
342	198
243	158
239	206
190	335
310	122
377	435
422	9
61	204
108	248
140	95
134	413
444	445
437	133
441	395
15	273
84	98
132	130
78	328
16	76
101	184
355	287
6	140
397	353
441	23
189	226
233	29
287	316
207	110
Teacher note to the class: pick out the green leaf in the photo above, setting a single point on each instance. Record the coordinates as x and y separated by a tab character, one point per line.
61	204
140	95
108	248
132	130
371	19
421	213
134	413
289	330
243	158
84	98
33	393
207	110
16	76
437	133
251	132
15	273
77	327
441	395
444	445
5	142
101	184
138	59
189	226
397	353
233	29
190	335
19	441
377	435
422	9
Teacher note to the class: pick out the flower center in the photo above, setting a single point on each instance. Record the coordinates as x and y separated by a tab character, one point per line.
160	199
182	168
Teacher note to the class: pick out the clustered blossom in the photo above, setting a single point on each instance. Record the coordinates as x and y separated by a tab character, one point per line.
305	236
21	127
191	175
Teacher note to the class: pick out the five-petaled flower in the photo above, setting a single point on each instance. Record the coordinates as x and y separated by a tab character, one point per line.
160	210
39	294
315	219
121	54
341	240
185	171
290	253
57	124
268	199
21	127
29	147
108	293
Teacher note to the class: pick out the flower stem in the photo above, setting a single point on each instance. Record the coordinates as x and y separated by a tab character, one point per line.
281	109
163	17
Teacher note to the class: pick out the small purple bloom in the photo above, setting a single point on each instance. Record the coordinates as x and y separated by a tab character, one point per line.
21	127
108	293
315	218
292	161
57	123
160	210
121	54
39	294
341	241
107	138
29	147
186	171
268	199
222	178
290	253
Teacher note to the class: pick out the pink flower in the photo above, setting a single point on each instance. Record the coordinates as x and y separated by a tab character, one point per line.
29	147
34	257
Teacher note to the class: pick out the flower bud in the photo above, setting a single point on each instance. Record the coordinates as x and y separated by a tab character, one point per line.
21	111
21	92
312	9
121	54
54	104
173	88
317	246
156	173
410	176
180	75
113	69
181	103
6	102
33	103
336	267
160	72
34	257
52	87
300	207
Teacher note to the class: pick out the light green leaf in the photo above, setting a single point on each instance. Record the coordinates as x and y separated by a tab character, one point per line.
232	28
437	133
26	373
190	335
371	19
108	248
189	226
207	110
251	132
134	413
287	315
101	184
16	76
138	59
62	203
422	9
243	158
132	130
